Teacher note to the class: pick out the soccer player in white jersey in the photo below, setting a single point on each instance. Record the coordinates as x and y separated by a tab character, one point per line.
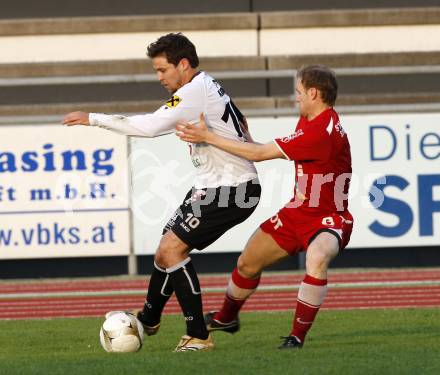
226	188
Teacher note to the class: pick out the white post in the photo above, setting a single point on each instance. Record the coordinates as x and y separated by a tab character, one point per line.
132	259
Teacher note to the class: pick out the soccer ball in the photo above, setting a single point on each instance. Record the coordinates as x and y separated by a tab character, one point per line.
121	332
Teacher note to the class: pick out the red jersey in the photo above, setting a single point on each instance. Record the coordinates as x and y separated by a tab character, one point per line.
321	152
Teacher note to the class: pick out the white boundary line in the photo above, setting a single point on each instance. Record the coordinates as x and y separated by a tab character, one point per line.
214	289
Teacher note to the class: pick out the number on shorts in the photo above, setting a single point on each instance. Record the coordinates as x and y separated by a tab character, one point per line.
192	221
328	221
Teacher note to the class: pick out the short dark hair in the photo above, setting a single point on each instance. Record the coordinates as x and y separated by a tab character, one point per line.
322	78
175	46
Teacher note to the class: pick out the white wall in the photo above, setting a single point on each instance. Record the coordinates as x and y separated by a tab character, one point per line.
332	40
88	47
294	41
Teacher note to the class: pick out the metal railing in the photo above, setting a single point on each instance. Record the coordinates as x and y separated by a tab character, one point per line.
136	78
250	74
235	74
256	112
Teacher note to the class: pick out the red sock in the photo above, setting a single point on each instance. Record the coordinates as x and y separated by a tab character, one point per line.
231	306
230	309
310	296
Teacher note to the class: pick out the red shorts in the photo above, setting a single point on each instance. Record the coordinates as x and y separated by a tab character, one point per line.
294	230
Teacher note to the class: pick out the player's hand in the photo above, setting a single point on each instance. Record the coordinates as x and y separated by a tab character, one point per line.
197	133
76	118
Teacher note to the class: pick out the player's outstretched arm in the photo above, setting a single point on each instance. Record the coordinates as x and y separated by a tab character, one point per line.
200	133
148	125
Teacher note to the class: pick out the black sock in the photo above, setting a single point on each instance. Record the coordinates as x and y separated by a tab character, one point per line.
159	292
187	288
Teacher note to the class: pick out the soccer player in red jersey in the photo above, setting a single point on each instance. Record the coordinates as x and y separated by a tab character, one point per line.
315	220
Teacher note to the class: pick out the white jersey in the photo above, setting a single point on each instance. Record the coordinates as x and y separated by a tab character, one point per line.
202	95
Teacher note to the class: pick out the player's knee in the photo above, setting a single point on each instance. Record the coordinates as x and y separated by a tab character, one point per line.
246	269
317	259
161	257
167	254
319	256
323	248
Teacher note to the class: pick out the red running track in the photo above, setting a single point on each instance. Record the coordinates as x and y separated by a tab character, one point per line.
219	281
424	291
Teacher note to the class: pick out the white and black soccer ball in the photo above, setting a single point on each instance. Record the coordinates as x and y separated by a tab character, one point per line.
121	332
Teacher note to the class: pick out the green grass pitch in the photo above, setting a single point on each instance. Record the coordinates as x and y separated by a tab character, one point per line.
403	341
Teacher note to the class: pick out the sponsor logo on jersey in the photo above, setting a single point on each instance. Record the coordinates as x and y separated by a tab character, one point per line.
173	101
297	134
196	161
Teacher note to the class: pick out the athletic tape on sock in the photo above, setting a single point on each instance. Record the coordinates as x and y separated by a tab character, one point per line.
314	281
243	282
312	293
